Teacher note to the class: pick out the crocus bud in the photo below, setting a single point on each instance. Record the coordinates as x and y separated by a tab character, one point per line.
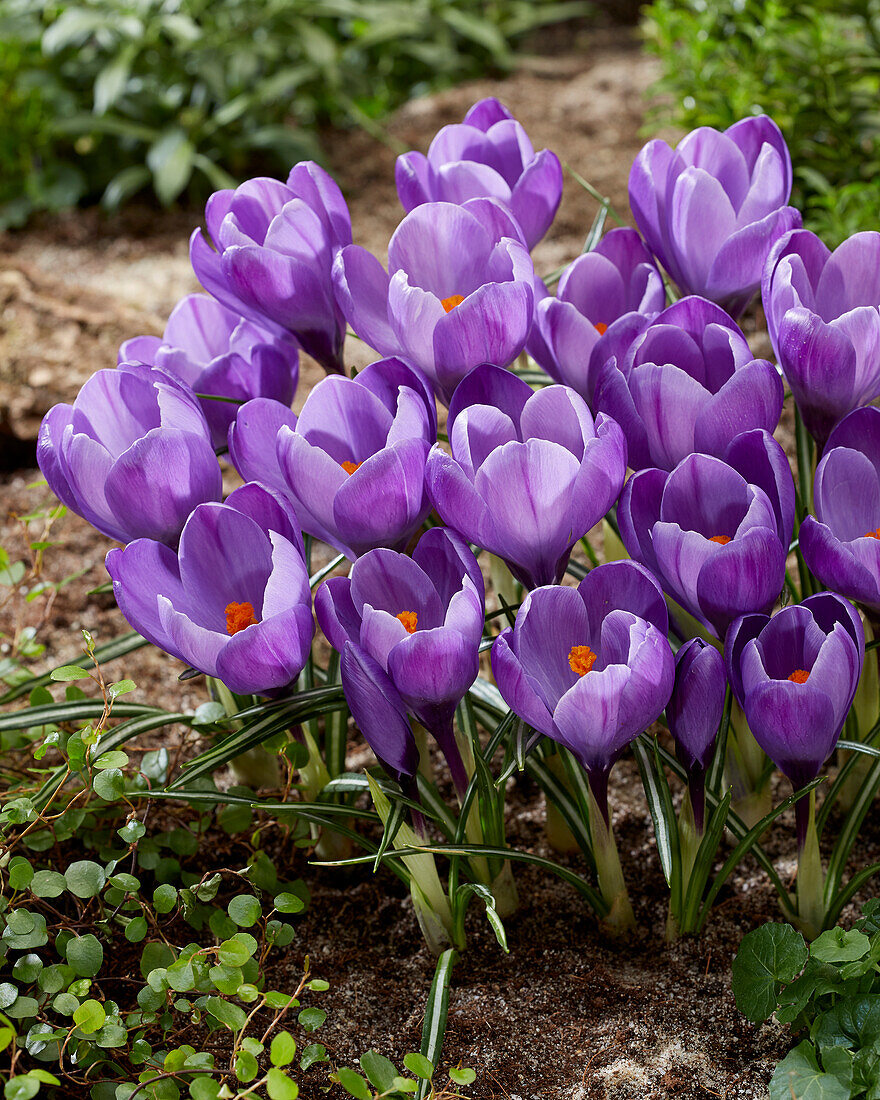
132	454
694	714
488	155
823	316
530	472
234	601
712	207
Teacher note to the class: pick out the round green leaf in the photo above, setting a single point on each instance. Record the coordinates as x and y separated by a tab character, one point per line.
419	1065
109	784
164	898
245	910
380	1072
227	1013
90	1016
27	968
85	878
233	953
35	936
20	873
246	1068
66	1004
312	1018
283	1049
85	955
462	1076
21	1088
288	903
354	1084
136	930
48	884
279	1086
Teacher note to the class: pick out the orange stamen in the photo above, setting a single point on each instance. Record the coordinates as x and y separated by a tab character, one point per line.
722	540
350	467
410	621
239	616
799	676
581	659
451	302
873	534
600	327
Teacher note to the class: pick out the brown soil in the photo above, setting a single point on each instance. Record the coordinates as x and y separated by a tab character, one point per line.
568	1014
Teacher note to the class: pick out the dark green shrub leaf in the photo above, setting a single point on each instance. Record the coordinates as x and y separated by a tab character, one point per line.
798	1075
768	958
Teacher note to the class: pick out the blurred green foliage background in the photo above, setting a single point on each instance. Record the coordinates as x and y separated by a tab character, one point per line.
813	65
108	98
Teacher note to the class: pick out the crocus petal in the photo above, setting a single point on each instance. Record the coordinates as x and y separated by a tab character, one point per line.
515	686
384	501
269	654
836	566
131	484
361	287
752	398
379	712
252	448
140	573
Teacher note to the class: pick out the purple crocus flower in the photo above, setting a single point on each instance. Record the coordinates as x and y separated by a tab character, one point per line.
489	155
275	243
530	472
589	667
688	382
409	630
823	315
842	545
694	714
132	454
604	300
795	676
234	601
353	462
712	208
217	351
458	291
710	537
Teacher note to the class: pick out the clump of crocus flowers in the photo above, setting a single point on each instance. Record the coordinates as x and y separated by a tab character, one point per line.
654	419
